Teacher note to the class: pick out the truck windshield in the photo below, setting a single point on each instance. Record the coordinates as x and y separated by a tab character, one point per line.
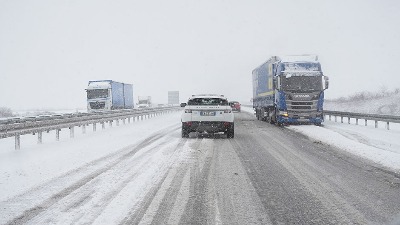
298	66
207	101
302	83
97	93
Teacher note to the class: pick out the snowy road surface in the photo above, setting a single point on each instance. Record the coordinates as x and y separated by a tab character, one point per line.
265	175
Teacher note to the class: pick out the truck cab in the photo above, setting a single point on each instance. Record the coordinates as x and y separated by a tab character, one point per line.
299	92
99	96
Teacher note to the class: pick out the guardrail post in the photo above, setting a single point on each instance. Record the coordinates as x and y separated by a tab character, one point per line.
366	123
341	119
329	117
84	129
387	125
335	118
94	126
57	134
103	125
376	124
17	142
117	122
71	132
110	123
129	119
348	120
356	121
40	137
123	121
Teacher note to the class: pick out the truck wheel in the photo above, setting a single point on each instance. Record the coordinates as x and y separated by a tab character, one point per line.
272	118
185	132
231	132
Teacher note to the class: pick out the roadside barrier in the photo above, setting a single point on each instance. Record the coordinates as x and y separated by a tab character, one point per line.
362	116
70	121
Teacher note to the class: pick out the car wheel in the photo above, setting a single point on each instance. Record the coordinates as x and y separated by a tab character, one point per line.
231	132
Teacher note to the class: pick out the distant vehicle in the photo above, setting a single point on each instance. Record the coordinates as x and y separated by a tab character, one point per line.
58	116
207	113
144	102
44	117
289	90
30	118
235	106
109	95
5	121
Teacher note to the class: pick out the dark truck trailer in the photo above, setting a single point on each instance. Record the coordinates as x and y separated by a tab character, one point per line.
289	90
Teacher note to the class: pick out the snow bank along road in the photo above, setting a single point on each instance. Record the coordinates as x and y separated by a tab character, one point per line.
265	175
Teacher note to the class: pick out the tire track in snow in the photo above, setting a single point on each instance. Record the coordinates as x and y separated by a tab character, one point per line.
24	207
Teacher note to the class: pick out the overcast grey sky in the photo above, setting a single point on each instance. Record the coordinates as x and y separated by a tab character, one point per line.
50	49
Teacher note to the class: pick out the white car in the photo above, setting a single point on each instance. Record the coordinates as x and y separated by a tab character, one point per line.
207	113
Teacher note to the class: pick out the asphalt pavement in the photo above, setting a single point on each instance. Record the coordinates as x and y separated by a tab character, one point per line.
265	175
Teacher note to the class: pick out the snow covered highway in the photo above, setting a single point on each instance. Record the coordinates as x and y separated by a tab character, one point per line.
145	173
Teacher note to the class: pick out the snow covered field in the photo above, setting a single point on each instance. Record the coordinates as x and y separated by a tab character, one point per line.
377	144
35	163
389	105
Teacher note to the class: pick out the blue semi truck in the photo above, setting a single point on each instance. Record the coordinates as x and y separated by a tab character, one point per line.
289	90
109	95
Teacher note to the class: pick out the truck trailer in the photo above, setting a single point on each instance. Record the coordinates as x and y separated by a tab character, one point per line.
289	90
105	95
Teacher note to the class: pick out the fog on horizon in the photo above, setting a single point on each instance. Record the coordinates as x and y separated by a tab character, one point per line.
49	50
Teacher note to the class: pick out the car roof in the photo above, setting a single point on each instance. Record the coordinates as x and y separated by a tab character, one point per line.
207	96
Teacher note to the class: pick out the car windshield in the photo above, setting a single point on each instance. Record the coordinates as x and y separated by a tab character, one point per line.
207	101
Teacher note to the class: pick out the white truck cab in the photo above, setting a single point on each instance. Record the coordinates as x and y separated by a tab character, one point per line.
207	113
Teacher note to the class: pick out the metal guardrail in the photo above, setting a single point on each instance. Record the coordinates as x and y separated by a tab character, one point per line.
80	120
372	117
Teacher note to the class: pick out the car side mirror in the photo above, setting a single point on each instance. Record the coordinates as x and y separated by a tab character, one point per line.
183	104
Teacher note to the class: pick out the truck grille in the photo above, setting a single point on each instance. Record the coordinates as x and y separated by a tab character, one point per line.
97	105
301	108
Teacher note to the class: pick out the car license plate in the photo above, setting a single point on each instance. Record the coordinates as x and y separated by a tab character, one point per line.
207	113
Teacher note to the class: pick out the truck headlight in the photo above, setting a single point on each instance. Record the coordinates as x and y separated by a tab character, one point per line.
283	113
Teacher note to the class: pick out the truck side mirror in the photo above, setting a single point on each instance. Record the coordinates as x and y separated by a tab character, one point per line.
183	104
277	83
325	82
